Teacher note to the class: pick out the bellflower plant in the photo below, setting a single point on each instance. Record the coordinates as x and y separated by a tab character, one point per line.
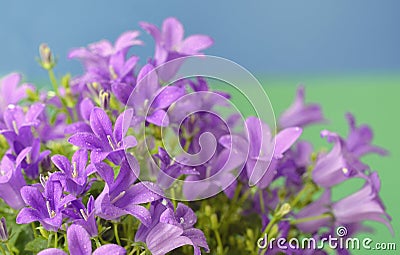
122	159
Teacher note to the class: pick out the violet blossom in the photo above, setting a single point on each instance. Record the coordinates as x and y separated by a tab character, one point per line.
103	141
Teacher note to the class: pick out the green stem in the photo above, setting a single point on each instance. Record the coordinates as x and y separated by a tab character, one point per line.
9	248
307	219
220	248
116	234
34	230
2	250
54	83
56	240
260	195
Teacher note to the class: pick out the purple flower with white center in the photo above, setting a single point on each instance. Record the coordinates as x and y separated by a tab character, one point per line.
359	139
79	243
121	196
85	108
150	100
45	207
300	114
18	125
10	92
75	173
170	44
171	229
83	216
107	65
104	142
338	165
259	148
11	182
30	157
364	204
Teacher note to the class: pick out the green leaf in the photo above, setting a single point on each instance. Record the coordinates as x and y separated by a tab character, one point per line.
36	245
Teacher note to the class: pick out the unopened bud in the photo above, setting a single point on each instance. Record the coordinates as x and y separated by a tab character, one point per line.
3	230
285	209
46	56
214	221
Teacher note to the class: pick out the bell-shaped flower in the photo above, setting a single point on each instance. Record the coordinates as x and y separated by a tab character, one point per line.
103	141
121	196
45	206
75	173
300	114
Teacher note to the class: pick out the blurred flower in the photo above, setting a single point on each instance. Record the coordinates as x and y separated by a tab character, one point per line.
11	93
364	204
107	65
171	45
11	182
3	230
300	114
149	99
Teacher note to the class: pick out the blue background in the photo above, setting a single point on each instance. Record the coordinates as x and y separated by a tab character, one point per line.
267	37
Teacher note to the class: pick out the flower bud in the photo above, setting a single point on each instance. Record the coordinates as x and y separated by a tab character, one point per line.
3	230
285	209
46	56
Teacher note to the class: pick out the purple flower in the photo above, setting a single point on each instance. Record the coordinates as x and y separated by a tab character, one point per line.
359	139
169	169
11	182
107	66
79	244
300	114
10	92
18	125
171	45
338	165
104	142
121	196
75	173
83	216
150	100
45	207
259	148
171	229
364	204
30	157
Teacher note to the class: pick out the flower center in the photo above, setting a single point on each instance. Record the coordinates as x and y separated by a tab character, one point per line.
74	170
15	127
84	214
51	212
120	195
110	141
113	74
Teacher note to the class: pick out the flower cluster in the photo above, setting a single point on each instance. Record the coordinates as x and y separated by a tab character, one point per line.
86	166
